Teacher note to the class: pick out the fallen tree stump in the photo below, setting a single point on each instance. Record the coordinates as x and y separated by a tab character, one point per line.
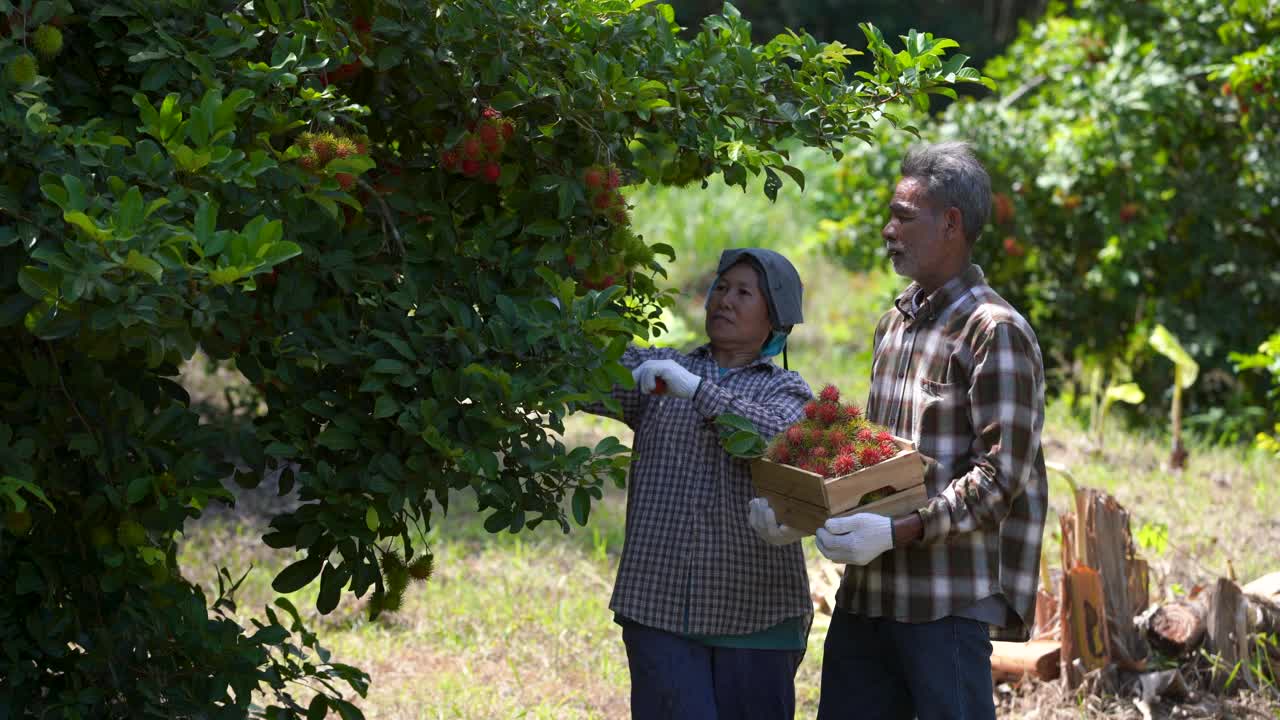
1177	629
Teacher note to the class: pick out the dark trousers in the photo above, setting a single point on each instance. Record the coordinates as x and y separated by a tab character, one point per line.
882	669
673	677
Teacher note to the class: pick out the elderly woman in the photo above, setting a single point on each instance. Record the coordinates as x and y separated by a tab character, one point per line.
714	616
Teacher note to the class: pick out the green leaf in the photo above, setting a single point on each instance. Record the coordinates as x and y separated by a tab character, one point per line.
497	522
319	706
144	265
206	223
330	588
1126	393
795	174
389	57
772	183
139	488
86	225
37	283
386	406
505	100
581	505
744	444
298	575
336	439
371	520
277	253
129	213
389	366
226	275
735	422
1167	345
545	228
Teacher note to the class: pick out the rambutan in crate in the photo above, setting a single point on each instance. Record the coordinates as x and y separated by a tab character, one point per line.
805	500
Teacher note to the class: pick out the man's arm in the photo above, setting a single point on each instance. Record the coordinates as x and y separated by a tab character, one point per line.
1006	400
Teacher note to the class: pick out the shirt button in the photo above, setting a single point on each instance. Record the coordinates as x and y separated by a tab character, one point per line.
902	374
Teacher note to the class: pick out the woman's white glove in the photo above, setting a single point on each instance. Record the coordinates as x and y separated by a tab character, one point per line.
766	525
856	539
679	382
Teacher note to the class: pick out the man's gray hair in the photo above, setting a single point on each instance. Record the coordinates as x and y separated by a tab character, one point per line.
953	177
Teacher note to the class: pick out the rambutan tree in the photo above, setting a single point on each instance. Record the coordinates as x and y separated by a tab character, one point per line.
404	224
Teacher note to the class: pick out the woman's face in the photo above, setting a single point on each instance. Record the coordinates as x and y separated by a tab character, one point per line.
737	312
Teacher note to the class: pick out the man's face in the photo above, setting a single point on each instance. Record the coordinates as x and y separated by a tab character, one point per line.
922	241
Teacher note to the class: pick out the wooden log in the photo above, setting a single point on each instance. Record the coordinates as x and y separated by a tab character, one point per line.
1084	624
1263	614
1038	658
1178	628
1105	544
1267	586
1227	636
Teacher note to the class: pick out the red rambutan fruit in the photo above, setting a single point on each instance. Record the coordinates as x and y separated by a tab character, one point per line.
830	393
811	409
828	413
844	464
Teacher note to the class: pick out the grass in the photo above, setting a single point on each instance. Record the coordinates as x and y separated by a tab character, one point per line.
517	626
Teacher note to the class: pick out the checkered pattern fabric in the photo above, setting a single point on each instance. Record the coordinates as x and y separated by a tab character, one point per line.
963	377
687	535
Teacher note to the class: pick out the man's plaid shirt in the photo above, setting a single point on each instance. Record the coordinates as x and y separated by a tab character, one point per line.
964	379
687	535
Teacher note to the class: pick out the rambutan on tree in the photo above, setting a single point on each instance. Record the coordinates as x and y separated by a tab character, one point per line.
403	222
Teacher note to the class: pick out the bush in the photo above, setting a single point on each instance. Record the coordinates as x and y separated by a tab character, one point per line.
1266	359
402	225
1133	154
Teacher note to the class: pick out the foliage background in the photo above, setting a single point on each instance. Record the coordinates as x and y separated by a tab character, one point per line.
278	184
1133	150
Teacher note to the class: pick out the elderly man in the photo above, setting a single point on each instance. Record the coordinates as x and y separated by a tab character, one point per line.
715	621
957	370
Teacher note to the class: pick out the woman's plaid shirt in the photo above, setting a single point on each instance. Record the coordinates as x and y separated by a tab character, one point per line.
687	535
964	379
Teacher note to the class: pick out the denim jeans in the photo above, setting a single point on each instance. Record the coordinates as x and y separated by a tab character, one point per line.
674	677
879	668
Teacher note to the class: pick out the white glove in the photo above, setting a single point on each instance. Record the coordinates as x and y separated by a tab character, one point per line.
857	539
680	382
766	524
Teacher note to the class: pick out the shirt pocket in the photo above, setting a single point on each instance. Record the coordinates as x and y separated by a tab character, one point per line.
942	421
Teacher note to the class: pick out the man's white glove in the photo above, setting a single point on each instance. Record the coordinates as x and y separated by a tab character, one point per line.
766	525
678	381
857	539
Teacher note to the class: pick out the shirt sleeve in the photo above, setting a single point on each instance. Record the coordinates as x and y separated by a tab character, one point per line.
633	401
1006	406
781	405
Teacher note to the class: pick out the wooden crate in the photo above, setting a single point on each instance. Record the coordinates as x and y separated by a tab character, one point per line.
805	500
